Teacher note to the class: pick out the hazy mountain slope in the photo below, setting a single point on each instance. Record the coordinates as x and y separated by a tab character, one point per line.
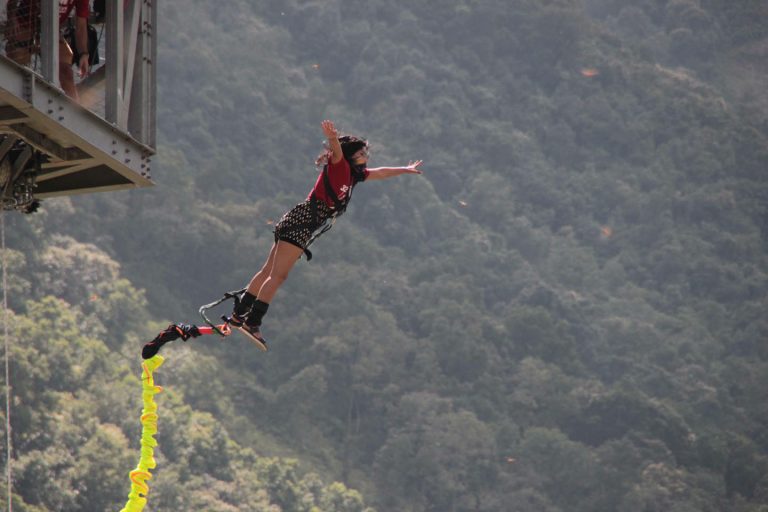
565	313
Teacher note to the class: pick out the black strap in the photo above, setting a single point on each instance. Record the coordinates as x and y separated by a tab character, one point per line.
325	226
316	216
338	205
236	294
313	207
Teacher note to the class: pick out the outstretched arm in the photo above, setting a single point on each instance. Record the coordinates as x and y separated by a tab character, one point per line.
382	173
333	140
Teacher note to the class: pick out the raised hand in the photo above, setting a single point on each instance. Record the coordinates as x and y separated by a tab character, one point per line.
412	167
333	140
329	130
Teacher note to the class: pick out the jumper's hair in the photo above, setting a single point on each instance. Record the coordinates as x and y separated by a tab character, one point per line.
349	146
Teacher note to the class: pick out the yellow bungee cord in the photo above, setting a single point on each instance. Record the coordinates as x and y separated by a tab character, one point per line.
137	498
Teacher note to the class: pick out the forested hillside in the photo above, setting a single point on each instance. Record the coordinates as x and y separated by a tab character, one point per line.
566	312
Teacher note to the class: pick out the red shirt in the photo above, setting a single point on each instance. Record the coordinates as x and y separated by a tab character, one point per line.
66	6
341	179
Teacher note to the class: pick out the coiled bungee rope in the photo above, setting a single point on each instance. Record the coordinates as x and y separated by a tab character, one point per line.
137	498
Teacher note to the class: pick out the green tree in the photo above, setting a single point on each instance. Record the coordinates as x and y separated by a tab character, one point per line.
439	459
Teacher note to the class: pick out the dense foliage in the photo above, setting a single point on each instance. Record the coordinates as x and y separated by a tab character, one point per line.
77	398
566	313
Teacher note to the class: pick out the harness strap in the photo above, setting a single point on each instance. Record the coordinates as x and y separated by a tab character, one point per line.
338	204
325	226
317	235
339	207
235	295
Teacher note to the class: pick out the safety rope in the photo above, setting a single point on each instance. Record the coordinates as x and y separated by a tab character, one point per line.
137	498
9	447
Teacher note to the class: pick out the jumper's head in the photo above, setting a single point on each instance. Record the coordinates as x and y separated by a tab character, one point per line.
354	148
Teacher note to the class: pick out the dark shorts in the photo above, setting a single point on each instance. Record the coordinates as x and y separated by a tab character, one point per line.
297	226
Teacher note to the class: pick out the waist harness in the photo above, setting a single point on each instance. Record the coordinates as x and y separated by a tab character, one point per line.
339	205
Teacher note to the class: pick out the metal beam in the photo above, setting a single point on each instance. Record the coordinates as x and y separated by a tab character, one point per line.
7	145
10	115
132	32
115	51
141	121
17	167
59	164
49	40
80	191
21	162
70	169
93	179
52	113
47	145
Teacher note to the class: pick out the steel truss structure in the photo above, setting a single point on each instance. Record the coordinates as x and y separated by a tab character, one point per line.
49	144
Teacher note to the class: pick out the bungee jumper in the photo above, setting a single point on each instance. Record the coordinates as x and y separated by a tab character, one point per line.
343	164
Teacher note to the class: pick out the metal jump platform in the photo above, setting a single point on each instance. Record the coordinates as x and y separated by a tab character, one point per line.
52	145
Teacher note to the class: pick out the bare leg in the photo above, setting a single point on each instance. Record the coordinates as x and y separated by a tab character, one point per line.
66	75
272	275
285	256
258	279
